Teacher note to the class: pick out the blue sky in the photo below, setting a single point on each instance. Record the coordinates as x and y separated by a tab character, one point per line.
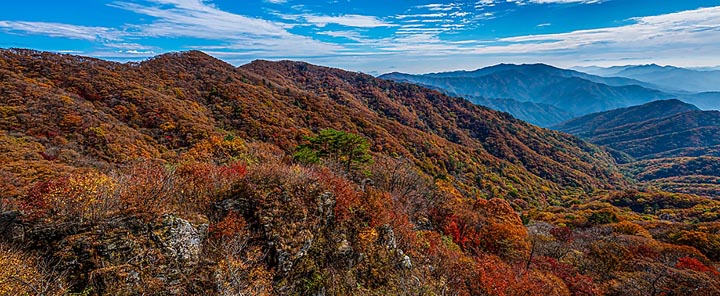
373	36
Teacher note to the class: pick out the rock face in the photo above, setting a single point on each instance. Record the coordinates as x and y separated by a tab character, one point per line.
128	254
180	239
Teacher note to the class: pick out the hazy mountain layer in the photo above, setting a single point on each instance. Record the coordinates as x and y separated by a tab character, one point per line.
570	92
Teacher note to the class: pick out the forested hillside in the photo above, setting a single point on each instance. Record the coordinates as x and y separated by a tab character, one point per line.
670	144
185	175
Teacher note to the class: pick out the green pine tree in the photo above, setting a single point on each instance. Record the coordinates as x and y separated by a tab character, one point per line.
348	149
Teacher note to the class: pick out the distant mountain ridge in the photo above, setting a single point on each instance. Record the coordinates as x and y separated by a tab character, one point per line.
571	92
591	124
665	77
673	145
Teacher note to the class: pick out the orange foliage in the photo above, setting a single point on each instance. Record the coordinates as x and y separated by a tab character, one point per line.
230	226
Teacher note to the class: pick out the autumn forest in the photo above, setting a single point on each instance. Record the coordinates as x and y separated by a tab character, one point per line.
185	175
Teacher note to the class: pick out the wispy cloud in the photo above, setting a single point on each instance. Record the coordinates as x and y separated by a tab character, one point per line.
694	27
194	18
349	20
351	35
439	7
197	19
62	30
565	1
490	3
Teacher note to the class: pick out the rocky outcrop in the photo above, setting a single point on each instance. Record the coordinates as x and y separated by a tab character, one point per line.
180	239
127	254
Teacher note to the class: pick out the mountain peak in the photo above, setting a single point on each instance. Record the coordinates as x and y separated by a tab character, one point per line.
191	59
670	103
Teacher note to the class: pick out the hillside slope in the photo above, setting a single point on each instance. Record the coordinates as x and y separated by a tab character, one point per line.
113	113
675	143
178	176
596	123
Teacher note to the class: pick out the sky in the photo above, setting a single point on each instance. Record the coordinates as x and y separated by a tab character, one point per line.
371	36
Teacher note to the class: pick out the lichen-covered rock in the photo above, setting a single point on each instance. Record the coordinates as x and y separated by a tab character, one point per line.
181	239
127	255
406	263
387	237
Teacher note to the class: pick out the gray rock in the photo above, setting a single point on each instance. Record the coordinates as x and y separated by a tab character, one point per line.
387	237
344	247
406	263
181	239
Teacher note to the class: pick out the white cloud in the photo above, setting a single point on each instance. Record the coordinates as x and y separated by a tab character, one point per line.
439	7
565	1
197	19
352	35
490	3
349	20
62	30
194	18
276	1
186	18
681	29
421	15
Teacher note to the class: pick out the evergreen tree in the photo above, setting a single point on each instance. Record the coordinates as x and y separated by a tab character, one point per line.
345	148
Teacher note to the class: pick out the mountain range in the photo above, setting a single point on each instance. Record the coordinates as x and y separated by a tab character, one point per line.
666	77
671	144
556	94
180	175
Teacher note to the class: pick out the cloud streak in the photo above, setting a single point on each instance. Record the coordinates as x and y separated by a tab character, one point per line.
693	27
196	19
62	30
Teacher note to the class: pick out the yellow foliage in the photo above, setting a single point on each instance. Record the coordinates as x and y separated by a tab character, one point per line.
627	227
226	148
167	126
368	235
66	99
84	196
71	120
19	275
447	187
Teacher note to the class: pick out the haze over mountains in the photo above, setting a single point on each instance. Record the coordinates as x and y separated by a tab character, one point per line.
666	77
556	94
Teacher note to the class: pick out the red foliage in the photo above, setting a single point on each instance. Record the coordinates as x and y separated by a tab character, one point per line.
563	234
347	199
696	265
35	205
233	171
577	283
490	226
460	231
